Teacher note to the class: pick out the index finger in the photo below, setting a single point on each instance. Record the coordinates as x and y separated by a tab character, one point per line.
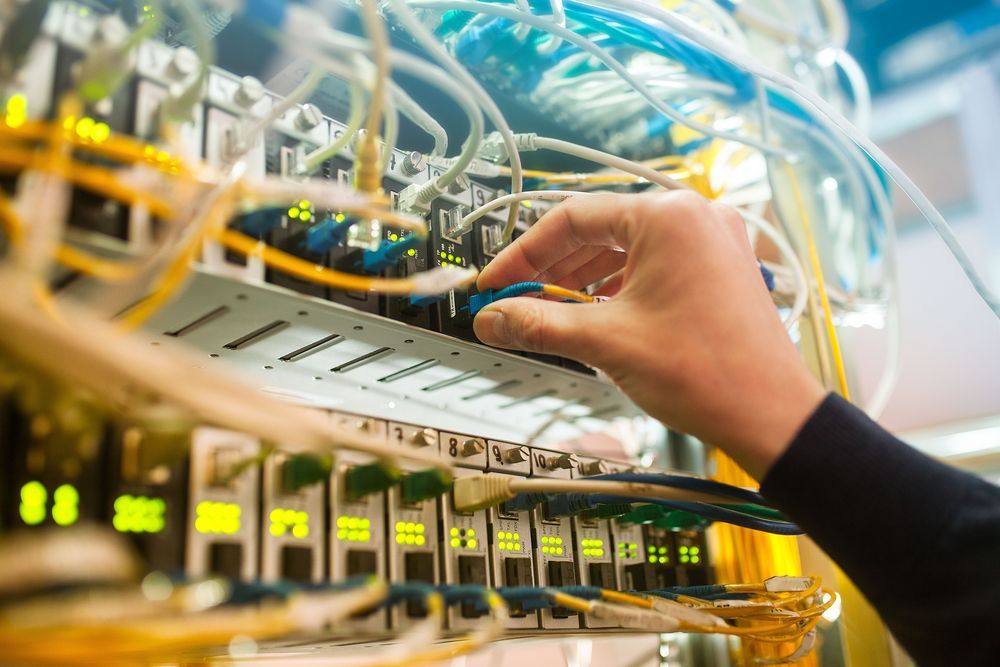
594	220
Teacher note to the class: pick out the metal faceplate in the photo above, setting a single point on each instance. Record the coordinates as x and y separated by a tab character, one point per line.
320	353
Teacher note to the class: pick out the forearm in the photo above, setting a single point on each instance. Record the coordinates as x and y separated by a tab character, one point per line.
920	538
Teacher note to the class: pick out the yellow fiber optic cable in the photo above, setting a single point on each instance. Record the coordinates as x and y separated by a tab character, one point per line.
368	178
626	598
96	179
306	270
565	293
87	264
817	267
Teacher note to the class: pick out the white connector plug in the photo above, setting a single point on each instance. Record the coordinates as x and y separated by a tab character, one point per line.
479	492
686	615
784	584
634	618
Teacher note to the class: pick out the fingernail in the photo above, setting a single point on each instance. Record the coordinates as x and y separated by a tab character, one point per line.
491	328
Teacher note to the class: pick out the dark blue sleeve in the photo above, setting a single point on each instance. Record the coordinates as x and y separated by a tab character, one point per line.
920	538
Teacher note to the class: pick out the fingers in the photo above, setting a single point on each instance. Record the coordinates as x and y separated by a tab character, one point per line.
547	327
599	220
612	285
603	265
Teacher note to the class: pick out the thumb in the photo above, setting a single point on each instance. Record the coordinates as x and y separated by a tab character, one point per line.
538	325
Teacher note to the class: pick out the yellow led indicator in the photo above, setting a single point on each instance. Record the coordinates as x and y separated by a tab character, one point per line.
694	551
285	520
87	129
455	542
349	529
411	533
394	237
16	112
653	559
682	550
444	255
66	505
685	558
33	500
453	532
695	560
301	211
411	252
139	514
217	517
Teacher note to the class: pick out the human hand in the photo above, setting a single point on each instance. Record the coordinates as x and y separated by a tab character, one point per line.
690	332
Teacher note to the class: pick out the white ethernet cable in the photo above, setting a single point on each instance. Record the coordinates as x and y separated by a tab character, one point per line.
559	16
246	138
427	40
602	55
826	115
507	200
312	160
791	259
337	42
531	142
488	490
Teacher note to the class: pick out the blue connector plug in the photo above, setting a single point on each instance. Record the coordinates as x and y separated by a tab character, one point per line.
425	300
388	254
258	223
322	237
480	300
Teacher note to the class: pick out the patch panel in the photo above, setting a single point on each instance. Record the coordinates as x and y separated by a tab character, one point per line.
555	562
465	552
223	501
413	524
448	249
293	525
230	105
510	532
633	570
595	556
55	464
147	495
691	553
357	520
661	555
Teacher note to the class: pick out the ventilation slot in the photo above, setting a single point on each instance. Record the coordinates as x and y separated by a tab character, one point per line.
503	386
528	399
256	335
311	348
200	322
357	362
450	381
407	372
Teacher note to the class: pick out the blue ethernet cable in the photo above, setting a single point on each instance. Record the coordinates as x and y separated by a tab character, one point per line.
326	235
688	484
713	512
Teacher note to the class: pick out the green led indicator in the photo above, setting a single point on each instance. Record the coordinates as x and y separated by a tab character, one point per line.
683	550
217	517
139	514
285	520
33	500
685	558
66	505
349	529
